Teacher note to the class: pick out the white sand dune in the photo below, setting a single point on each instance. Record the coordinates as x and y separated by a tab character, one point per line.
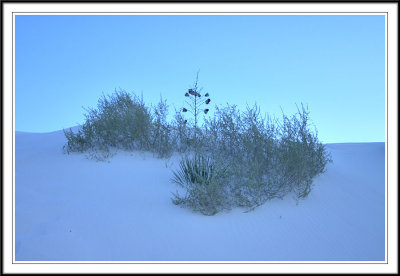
69	208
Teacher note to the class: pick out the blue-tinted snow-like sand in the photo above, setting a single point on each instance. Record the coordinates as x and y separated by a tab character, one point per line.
69	208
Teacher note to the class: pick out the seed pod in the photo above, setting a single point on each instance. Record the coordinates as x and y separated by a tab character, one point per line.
184	110
198	95
207	95
208	101
206	110
187	95
185	121
191	92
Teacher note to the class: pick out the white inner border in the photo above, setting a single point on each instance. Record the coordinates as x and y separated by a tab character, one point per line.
214	8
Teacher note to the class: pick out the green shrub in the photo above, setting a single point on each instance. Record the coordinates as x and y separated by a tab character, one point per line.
301	156
263	158
120	121
236	159
223	132
75	142
181	133
161	138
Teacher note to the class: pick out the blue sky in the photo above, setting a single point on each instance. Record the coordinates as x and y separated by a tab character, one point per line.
333	63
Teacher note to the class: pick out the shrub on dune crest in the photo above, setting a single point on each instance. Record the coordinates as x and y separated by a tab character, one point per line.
234	159
121	121
262	158
301	156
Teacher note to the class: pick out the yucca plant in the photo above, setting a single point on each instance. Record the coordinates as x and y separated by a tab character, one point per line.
198	170
203	181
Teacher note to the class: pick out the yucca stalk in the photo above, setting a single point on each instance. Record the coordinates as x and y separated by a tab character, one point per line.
195	104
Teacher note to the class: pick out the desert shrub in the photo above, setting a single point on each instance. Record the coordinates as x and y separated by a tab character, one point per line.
161	139
234	159
262	158
243	143
203	181
301	157
257	151
181	133
221	137
75	142
120	121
